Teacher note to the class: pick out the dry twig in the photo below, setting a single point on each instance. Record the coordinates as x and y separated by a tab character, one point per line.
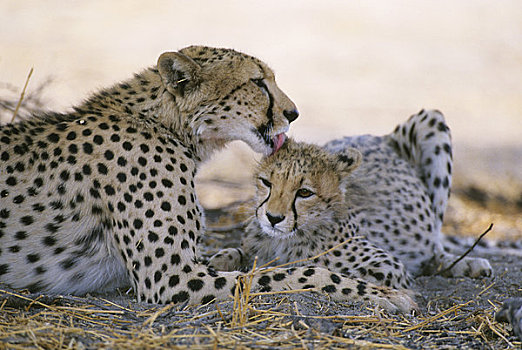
22	95
467	251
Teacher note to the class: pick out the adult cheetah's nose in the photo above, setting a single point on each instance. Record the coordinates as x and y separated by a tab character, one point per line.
291	114
274	220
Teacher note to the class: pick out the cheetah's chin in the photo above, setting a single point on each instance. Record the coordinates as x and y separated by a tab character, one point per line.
276	233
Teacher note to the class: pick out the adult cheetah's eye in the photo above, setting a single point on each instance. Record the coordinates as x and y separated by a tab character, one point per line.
259	82
304	193
265	182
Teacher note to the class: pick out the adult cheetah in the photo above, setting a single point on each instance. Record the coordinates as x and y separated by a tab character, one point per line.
104	196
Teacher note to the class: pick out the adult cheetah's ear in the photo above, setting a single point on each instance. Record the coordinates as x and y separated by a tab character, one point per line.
179	73
348	159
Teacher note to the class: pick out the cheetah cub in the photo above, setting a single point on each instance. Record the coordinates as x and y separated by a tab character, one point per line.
385	196
104	196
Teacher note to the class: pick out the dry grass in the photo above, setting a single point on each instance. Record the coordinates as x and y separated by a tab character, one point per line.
265	322
19	104
22	95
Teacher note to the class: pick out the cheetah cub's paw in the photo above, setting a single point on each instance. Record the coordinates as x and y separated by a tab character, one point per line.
229	259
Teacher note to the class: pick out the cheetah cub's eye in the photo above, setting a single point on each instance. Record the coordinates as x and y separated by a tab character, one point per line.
265	182
304	193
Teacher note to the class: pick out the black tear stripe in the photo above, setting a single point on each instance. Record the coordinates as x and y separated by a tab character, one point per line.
269	112
264	129
266	200
294	210
295	216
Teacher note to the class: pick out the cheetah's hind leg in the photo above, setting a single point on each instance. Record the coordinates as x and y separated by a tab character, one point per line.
425	141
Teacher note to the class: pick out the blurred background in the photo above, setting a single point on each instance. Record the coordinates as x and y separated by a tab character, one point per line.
351	68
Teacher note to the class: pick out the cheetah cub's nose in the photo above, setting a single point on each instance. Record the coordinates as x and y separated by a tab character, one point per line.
291	115
274	220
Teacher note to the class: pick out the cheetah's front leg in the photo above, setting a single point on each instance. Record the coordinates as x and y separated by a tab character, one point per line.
338	286
360	258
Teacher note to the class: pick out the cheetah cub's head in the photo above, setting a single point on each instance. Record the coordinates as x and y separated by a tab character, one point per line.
301	188
224	95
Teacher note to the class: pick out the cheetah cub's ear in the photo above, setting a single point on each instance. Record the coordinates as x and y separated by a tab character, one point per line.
179	73
347	160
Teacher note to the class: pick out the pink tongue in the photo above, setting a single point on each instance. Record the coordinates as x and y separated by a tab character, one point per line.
278	141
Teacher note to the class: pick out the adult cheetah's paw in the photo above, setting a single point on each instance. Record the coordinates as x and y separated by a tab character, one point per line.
229	259
471	267
395	301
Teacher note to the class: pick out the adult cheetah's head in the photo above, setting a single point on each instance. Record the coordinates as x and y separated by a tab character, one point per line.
301	188
224	95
